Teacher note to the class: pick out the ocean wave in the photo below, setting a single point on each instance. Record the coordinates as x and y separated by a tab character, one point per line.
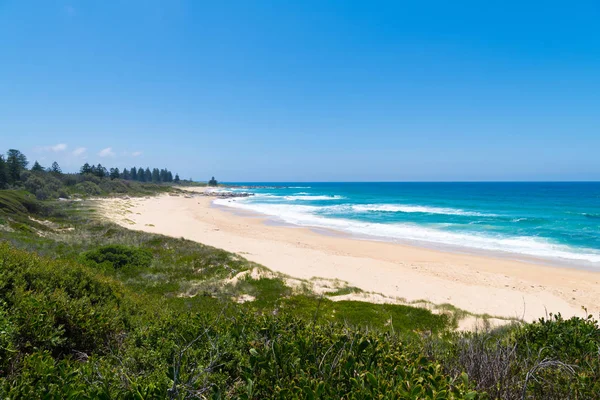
220	190
530	220
417	209
306	215
298	187
312	197
591	215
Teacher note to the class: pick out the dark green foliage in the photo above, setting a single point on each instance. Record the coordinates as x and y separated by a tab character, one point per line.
37	167
16	163
43	186
59	307
212	182
55	168
291	359
85	169
3	173
176	180
148	175
574	342
114	173
93	180
88	188
155	175
119	256
68	331
560	338
550	359
114	186
141	175
99	171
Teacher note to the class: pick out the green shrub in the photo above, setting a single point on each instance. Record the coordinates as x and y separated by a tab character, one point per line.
7	337
567	355
56	306
566	339
113	186
118	256
87	188
44	187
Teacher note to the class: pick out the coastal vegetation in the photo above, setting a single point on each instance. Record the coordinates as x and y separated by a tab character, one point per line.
92	180
89	309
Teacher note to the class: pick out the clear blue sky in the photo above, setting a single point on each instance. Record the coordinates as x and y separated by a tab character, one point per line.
306	90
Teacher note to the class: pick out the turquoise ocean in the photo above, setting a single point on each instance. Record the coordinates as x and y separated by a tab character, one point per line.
556	222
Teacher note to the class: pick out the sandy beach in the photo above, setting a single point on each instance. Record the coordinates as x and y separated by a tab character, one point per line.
477	284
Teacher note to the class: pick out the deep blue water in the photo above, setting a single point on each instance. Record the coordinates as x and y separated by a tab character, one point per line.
555	221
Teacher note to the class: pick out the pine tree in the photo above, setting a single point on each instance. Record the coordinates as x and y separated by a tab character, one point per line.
16	162
141	175
125	174
134	174
86	169
37	167
101	172
176	180
148	175
163	175
3	174
55	168
114	173
155	175
169	176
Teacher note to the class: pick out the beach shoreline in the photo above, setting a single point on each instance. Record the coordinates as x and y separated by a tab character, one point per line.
476	283
438	247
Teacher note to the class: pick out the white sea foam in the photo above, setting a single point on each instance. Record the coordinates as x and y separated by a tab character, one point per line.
213	190
306	215
312	197
417	209
298	187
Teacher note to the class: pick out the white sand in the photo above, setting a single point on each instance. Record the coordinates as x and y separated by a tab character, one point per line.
478	284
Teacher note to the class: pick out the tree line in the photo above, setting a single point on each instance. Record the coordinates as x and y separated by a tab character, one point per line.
14	171
134	174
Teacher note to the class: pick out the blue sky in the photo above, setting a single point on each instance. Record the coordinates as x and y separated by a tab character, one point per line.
306	90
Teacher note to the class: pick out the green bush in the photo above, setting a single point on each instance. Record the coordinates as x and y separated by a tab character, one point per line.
113	186
567	353
7	337
87	188
556	337
58	307
118	256
44	187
